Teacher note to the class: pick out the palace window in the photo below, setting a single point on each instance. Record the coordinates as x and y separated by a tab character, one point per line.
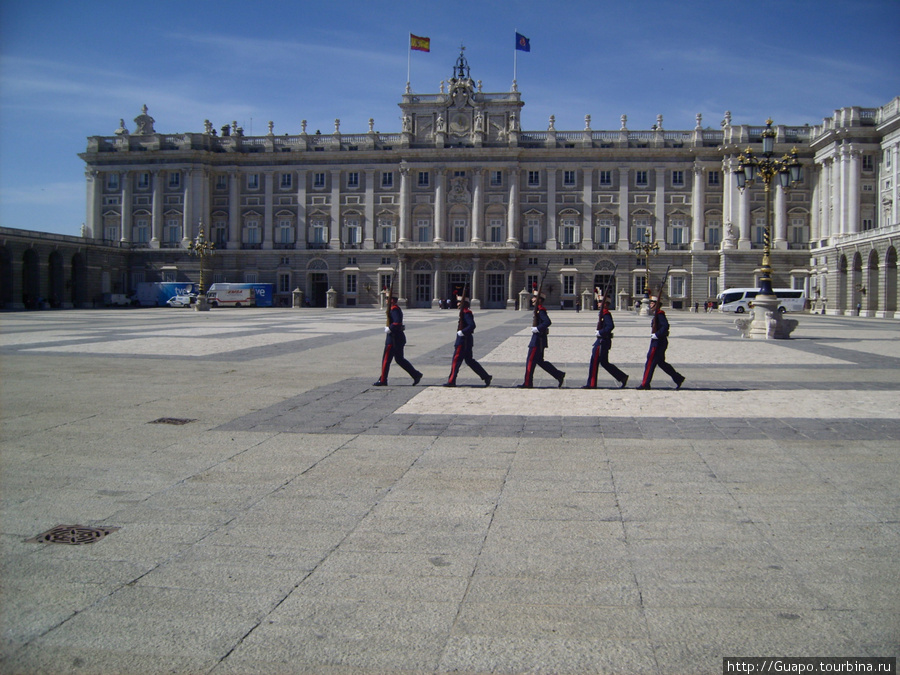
459	229
532	233
534	178
868	163
423	230
221	182
604	231
569	232
642	230
678	178
141	231
252	232
287	181
352	231
143	180
112	181
172	234
714	178
350	284
219	233
253	181
759	231
606	178
569	178
175	179
353	179
495	230
568	284
676	287
284	282
424	179
387	179
679	231
319	180
386	231
285	231
318	233
496	178
713	231
640	178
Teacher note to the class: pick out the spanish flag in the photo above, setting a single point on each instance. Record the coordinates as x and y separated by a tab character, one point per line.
420	44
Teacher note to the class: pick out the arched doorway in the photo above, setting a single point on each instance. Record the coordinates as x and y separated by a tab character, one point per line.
31	279
495	285
856	285
57	280
6	277
317	284
79	280
870	285
842	285
890	283
422	276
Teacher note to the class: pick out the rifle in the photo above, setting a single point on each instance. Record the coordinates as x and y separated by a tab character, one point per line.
387	312
462	323
537	301
662	286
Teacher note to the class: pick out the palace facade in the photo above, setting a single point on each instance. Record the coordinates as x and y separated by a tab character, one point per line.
461	194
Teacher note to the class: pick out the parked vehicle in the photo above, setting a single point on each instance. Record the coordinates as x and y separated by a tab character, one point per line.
738	299
157	293
182	300
240	295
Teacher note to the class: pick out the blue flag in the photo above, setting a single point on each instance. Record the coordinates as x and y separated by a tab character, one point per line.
523	44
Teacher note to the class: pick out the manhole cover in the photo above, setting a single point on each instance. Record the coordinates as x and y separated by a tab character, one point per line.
72	534
172	420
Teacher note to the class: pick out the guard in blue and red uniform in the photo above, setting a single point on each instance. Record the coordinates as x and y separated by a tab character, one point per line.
600	352
394	342
538	344
659	342
462	349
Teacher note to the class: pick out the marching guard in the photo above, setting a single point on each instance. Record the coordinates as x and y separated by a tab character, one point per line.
539	343
394	342
600	352
659	342
465	340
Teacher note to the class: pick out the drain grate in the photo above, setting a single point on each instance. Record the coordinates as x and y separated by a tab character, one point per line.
72	534
172	420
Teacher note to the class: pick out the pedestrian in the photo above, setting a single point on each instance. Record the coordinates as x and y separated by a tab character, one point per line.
659	342
394	342
539	330
462	349
602	345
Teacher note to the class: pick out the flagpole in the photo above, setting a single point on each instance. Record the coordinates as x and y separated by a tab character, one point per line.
515	63
408	59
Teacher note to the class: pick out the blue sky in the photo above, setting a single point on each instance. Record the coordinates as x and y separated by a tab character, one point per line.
69	70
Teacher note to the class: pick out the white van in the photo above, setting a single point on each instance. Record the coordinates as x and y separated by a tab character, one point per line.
225	295
738	299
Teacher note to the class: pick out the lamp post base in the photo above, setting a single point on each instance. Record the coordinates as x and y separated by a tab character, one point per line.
767	323
645	307
202	304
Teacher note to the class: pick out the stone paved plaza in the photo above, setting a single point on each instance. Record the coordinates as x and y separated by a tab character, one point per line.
302	521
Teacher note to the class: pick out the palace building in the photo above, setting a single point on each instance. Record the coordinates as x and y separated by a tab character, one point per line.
462	194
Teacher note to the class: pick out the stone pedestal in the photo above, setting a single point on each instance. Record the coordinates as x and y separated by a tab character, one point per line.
297	298
331	299
645	307
767	323
524	300
202	304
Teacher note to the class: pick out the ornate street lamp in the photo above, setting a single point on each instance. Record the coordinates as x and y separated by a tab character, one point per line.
646	247
767	321
766	168
200	247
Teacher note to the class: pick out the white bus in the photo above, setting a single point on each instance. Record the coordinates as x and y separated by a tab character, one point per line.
738	299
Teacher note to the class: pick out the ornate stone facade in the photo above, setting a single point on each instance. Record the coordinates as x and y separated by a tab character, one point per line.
461	189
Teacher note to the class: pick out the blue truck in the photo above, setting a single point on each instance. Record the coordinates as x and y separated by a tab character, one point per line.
157	293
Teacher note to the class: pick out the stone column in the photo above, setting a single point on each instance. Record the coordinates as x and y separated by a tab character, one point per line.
335	228
660	226
478	206
825	197
744	219
127	206
156	217
187	210
512	213
369	225
853	191
624	222
234	209
815	212
268	238
435	285
440	206
587	203
895	182
474	282
405	225
551	209
302	225
698	199
510	279
780	217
